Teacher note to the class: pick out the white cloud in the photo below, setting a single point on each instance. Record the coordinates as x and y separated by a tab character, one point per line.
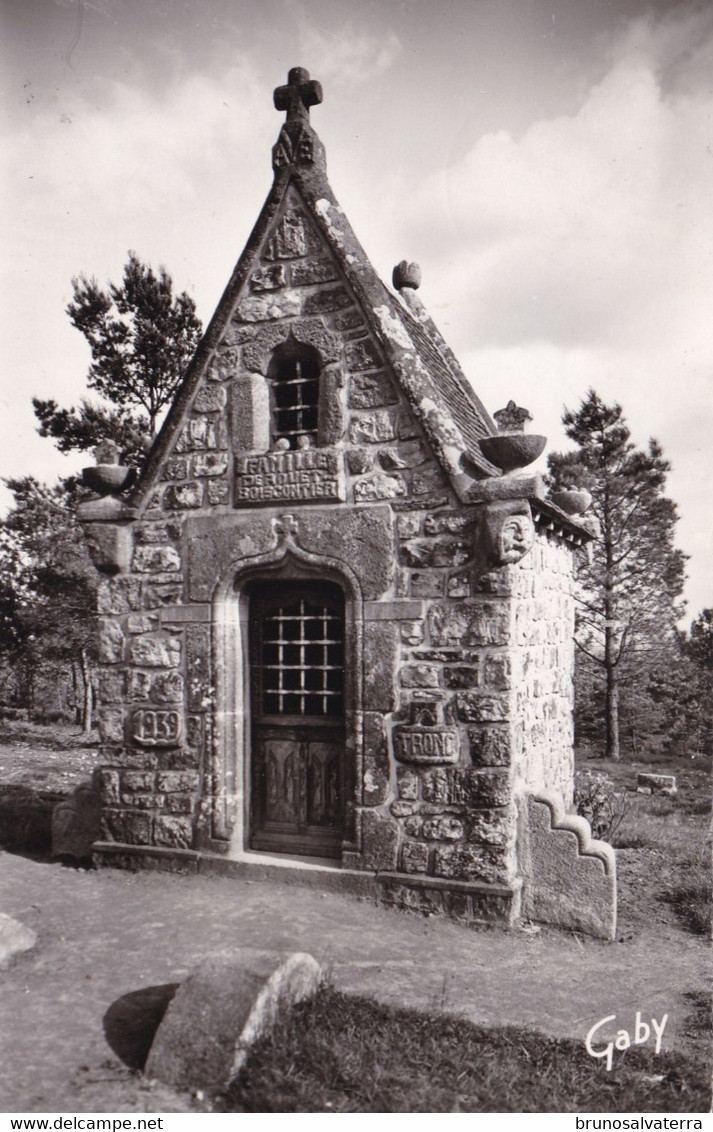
589	228
349	56
155	146
170	171
678	48
164	175
581	254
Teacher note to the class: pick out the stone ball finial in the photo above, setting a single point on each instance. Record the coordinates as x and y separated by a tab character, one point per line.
573	501
406	274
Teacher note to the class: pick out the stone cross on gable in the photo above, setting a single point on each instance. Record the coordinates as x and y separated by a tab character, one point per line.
298	95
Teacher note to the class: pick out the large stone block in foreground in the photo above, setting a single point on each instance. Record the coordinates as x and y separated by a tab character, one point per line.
221	1010
14	939
570	876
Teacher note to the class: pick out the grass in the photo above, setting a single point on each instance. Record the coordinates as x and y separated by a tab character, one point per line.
342	1054
59	736
700	1017
645	826
698	805
45	758
676	827
692	902
40	764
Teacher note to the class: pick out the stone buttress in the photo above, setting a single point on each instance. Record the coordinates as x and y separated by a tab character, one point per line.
325	457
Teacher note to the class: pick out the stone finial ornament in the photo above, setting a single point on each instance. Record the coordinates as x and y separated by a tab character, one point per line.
108	477
297	144
512	418
298	95
511	449
406	275
106	452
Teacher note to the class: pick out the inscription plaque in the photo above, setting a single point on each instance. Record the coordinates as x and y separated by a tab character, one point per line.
304	475
155	727
432	745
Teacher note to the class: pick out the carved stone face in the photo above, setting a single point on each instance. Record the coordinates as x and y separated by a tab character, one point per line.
517	536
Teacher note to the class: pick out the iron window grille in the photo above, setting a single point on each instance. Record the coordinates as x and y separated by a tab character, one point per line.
302	660
295	401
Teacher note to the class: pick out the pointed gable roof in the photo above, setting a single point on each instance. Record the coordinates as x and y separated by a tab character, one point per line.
439	394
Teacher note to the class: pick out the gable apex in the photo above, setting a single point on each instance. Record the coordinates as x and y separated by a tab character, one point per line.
301	218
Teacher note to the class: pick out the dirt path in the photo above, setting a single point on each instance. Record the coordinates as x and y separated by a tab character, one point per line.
103	934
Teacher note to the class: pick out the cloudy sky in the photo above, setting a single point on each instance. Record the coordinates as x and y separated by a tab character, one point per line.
548	162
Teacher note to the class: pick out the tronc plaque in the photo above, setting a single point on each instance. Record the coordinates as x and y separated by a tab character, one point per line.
429	745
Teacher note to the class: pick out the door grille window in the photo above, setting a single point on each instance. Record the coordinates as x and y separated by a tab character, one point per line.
302	660
295	401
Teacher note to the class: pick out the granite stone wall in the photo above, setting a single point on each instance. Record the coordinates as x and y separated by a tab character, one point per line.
467	699
484	696
543	756
463	697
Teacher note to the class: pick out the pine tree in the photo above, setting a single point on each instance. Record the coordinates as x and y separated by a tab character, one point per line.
81	429
700	641
141	337
698	647
47	587
628	594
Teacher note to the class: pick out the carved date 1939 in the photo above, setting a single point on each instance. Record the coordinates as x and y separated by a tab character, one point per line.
153	727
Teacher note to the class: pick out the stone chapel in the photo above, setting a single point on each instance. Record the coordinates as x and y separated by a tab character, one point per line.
336	617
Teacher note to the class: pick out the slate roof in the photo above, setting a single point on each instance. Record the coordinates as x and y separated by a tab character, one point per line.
468	411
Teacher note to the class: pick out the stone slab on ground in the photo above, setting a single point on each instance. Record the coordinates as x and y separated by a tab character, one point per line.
221	1009
105	934
656	783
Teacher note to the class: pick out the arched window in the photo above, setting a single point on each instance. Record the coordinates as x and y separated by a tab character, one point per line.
293	375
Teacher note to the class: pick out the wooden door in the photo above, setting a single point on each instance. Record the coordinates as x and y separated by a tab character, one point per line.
297	734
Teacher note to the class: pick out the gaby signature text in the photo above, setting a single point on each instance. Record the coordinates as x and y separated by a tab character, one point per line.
642	1032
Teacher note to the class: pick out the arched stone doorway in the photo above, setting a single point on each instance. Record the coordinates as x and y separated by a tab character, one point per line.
297	670
287	643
